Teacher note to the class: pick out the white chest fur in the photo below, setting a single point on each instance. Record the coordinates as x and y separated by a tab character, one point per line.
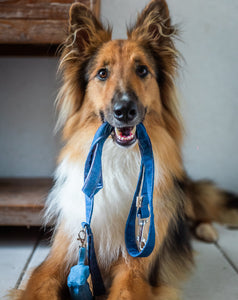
120	169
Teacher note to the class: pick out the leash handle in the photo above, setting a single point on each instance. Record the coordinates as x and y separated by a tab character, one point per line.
93	182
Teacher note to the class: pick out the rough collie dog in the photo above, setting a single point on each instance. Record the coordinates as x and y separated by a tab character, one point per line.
124	83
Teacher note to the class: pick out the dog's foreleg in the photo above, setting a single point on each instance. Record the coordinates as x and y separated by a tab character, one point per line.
48	281
131	282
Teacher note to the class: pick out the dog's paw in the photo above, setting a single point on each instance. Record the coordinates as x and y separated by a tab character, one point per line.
206	232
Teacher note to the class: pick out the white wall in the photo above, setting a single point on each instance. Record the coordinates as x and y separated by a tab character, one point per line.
208	84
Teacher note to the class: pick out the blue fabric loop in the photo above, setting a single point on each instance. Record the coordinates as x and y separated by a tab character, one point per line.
93	182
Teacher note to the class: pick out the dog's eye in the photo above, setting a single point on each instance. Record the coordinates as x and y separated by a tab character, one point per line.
103	74
142	71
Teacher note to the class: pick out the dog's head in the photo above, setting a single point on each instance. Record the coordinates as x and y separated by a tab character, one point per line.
123	82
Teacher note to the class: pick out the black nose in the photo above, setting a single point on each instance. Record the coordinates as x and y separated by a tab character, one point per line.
125	110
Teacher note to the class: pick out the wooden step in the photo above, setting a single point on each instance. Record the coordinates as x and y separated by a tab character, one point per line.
22	200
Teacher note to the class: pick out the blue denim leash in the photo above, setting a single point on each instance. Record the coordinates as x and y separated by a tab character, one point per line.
93	182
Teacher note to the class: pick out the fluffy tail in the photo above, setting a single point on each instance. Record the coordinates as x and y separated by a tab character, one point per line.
206	204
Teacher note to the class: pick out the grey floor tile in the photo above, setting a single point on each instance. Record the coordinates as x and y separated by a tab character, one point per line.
38	257
16	246
228	241
213	278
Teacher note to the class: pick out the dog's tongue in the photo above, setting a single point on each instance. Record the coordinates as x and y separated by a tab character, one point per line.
125	131
125	136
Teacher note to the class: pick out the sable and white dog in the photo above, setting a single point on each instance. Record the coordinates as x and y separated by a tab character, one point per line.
124	82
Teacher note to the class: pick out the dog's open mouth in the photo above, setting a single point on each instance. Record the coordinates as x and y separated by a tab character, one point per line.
125	136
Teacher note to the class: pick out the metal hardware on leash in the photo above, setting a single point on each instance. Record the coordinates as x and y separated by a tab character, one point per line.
140	238
82	238
139	201
141	223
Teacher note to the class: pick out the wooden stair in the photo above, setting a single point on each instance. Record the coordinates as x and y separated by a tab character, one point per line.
22	200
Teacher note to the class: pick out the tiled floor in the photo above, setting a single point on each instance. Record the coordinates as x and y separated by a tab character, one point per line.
214	278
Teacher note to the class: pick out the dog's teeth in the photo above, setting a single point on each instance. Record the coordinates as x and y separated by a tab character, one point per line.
117	131
125	138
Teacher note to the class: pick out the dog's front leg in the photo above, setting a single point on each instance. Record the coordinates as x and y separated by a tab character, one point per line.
131	282
48	281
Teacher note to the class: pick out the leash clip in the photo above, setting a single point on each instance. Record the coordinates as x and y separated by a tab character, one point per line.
82	238
141	240
140	237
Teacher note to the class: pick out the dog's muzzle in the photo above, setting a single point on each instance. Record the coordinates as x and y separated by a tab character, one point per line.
125	114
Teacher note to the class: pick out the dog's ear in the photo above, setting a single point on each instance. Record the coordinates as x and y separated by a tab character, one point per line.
153	23
85	30
153	29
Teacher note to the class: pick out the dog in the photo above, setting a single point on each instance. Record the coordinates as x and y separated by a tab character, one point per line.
124	83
